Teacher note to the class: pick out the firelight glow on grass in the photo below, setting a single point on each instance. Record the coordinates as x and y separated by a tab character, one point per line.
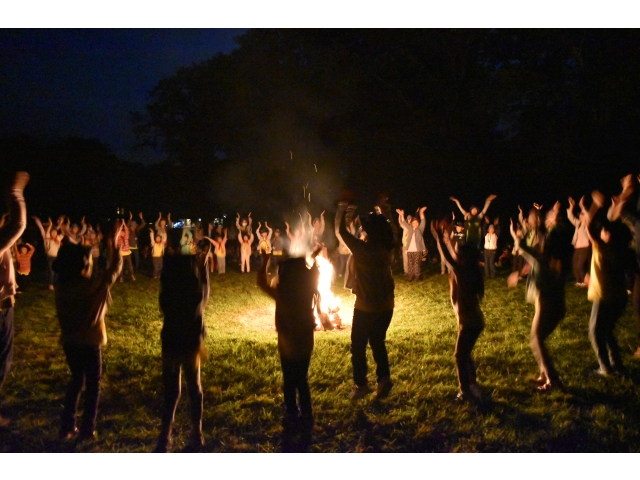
242	377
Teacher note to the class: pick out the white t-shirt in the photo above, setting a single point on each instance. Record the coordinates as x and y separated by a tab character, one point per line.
490	241
412	245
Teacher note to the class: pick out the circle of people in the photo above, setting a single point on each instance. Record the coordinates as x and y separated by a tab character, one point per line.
83	264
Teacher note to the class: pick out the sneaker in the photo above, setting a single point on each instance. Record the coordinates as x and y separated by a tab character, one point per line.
359	391
600	373
67	434
637	353
164	444
461	397
474	389
384	387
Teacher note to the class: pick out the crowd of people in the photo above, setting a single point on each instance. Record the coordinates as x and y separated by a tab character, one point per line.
83	262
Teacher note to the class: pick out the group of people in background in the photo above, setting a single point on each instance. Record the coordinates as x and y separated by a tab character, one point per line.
84	262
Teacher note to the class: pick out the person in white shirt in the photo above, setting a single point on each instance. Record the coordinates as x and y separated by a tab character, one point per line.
581	244
52	242
490	248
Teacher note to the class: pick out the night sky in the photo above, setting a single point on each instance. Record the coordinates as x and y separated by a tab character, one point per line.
85	82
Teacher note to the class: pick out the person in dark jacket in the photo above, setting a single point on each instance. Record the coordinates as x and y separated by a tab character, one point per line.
82	300
374	289
296	295
183	296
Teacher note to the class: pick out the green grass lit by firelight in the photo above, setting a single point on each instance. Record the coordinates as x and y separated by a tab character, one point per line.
242	379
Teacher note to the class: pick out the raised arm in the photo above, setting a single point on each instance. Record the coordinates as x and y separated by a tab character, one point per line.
40	227
423	221
572	218
142	223
524	251
487	203
114	261
169	222
457	202
598	202
349	239
322	224
83	230
403	223
13	228
270	230
445	252
157	224
618	202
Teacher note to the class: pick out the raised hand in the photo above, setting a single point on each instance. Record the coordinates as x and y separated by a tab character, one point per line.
598	198
20	181
511	229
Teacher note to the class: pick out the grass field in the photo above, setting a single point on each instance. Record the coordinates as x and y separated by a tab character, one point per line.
242	379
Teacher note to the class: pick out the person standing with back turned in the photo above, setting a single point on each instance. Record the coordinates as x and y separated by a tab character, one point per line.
374	289
10	231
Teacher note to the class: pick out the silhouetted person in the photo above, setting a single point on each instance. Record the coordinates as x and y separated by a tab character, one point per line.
607	289
473	220
373	287
81	303
11	228
183	296
296	295
545	290
467	289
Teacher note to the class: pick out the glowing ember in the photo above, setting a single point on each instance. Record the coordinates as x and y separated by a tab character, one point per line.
329	303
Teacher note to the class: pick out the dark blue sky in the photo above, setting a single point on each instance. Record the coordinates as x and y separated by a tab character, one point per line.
85	82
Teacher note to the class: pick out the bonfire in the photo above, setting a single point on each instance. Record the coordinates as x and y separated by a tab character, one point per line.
328	319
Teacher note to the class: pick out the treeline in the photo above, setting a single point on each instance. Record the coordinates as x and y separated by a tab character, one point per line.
528	114
77	177
531	115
